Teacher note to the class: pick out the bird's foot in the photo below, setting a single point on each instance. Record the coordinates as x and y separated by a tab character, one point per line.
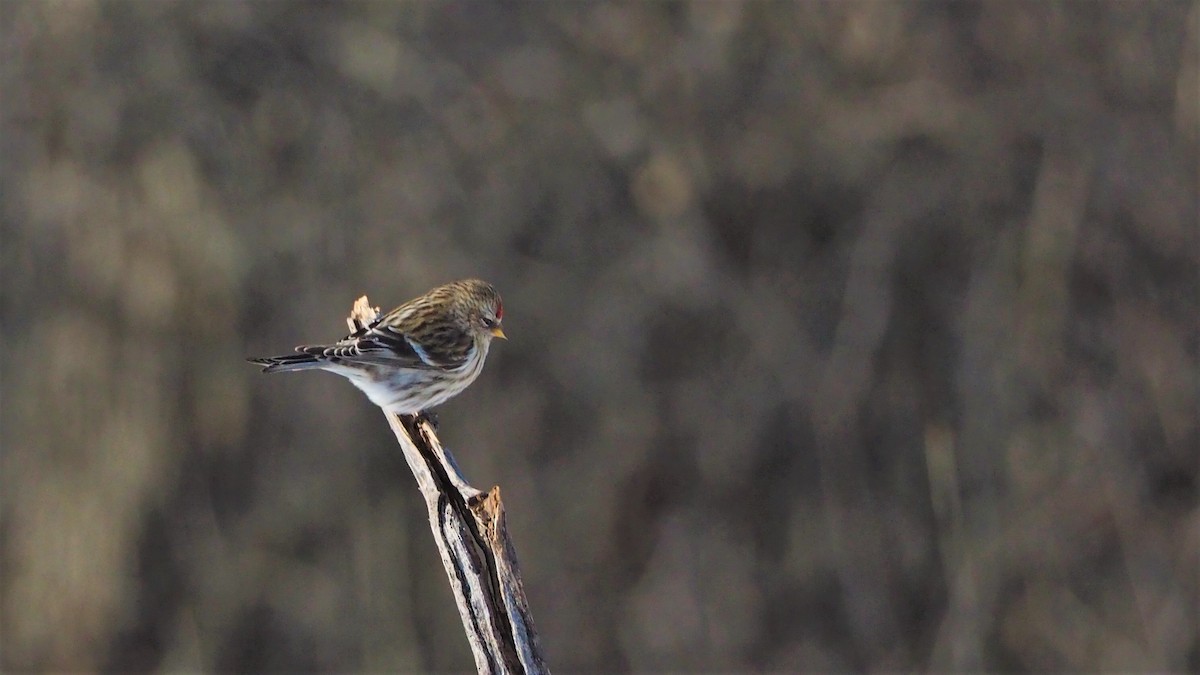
427	416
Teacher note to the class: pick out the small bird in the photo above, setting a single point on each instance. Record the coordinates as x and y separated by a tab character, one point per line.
416	356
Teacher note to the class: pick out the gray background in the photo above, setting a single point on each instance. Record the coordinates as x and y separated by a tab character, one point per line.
844	336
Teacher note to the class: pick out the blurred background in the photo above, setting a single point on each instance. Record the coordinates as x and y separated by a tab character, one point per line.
848	336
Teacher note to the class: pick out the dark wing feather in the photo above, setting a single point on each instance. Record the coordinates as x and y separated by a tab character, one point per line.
434	349
369	350
413	335
383	345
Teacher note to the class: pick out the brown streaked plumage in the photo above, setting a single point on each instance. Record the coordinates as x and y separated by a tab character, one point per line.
416	356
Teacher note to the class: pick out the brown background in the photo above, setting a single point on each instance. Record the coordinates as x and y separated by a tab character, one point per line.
844	336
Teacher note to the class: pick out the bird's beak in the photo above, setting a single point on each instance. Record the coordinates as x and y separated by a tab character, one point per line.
497	331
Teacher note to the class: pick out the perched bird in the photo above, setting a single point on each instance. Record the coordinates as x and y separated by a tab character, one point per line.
416	356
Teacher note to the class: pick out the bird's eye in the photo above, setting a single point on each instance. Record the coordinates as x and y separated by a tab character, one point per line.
488	323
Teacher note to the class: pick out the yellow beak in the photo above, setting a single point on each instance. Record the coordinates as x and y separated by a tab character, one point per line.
498	332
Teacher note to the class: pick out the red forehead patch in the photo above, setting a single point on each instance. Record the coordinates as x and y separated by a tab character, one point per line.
499	310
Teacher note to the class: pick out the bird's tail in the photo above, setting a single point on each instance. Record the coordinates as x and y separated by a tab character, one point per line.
305	360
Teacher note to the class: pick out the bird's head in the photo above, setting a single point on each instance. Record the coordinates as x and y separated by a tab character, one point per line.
484	310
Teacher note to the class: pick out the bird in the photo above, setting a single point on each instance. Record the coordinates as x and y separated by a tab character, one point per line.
415	357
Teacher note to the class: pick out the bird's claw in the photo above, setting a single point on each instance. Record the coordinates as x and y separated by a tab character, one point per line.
427	416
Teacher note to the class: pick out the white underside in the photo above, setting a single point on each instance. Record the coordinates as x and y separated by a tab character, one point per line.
406	392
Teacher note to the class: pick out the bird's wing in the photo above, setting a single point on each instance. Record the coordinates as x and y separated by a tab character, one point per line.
390	340
372	350
386	338
383	343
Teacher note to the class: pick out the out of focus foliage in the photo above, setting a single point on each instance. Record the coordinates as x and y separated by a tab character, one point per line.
849	335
